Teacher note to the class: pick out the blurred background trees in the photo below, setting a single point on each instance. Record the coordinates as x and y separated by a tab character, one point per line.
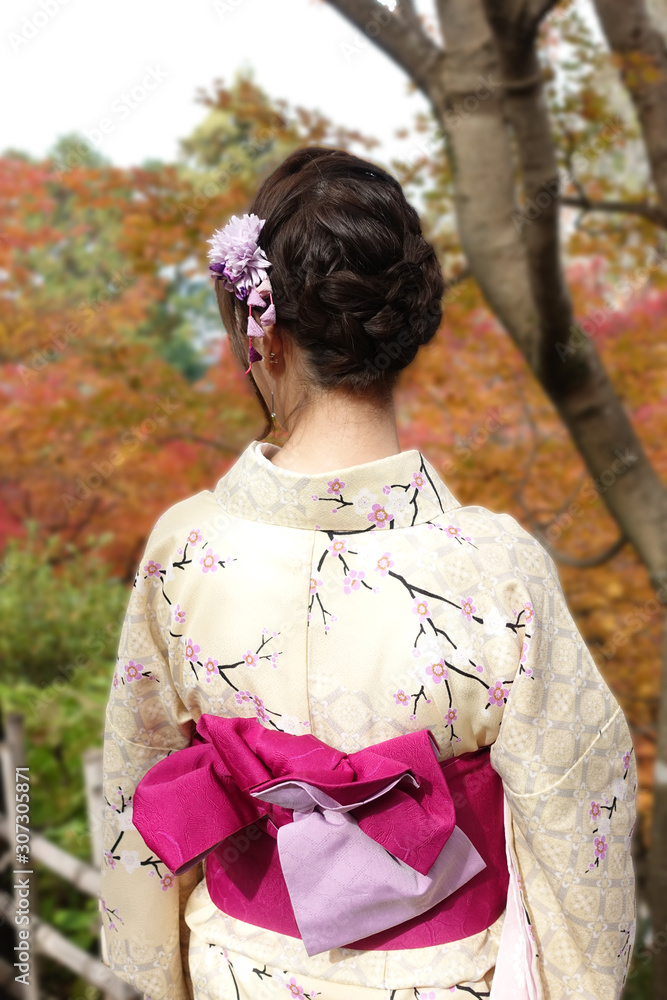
120	396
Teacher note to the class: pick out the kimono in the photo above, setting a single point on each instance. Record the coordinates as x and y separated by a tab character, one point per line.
360	606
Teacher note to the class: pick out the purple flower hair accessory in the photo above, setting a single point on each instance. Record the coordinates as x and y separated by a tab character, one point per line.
235	256
240	264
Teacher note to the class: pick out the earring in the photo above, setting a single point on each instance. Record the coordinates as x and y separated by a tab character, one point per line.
273	412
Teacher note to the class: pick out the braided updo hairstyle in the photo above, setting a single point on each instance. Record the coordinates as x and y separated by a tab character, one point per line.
355	284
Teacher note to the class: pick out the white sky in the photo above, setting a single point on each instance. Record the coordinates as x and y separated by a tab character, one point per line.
83	55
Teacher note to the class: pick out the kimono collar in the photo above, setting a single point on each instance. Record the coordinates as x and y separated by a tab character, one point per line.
394	492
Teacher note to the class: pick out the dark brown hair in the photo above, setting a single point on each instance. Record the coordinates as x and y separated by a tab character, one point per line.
355	284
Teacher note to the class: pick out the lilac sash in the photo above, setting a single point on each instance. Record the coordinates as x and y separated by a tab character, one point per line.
347	876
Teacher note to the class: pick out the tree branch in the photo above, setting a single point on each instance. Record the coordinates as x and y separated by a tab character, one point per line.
538	9
586	563
407	12
403	38
654	213
642	56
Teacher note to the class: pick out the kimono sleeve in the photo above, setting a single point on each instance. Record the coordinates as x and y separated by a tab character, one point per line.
144	936
565	755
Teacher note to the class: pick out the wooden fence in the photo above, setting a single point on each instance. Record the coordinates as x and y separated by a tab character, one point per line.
45	939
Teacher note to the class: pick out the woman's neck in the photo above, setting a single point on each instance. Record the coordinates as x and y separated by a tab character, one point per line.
337	433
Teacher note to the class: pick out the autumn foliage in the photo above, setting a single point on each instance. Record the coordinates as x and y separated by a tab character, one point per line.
120	396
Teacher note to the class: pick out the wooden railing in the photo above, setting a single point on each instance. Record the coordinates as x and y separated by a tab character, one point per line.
44	939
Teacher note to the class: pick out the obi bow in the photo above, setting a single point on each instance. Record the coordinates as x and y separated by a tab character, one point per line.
348	876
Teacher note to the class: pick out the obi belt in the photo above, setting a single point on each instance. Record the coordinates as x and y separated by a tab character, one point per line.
384	848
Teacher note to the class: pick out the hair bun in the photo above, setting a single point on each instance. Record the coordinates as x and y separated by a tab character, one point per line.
356	285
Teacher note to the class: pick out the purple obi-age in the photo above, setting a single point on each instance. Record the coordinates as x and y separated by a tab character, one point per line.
384	848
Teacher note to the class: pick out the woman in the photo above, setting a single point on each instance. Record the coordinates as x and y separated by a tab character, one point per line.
355	746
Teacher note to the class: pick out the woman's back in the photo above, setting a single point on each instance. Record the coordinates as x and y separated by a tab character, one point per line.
359	606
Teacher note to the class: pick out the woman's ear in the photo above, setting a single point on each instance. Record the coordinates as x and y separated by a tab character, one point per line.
272	342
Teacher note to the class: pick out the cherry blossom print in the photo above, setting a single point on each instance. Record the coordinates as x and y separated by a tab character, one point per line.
468	608
353	580
260	710
498	693
109	858
167	881
453	531
420	607
384	563
525	648
337	547
335	486
194	537
179	615
116	680
626	759
250	659
133	671
363	500
243	696
401	698
601	847
191	650
594	810
426	994
294	990
451	716
152	570
386	488
209	562
529	612
437	671
315	584
124	821
418	481
211	668
111	915
494	623
291	724
130	861
379	516
396	503
604	825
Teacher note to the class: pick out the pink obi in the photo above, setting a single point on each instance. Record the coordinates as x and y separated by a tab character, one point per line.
384	848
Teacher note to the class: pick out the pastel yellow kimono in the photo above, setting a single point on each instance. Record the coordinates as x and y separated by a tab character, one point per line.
358	606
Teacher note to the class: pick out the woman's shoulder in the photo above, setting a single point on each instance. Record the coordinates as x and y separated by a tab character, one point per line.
498	537
495	524
191	519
